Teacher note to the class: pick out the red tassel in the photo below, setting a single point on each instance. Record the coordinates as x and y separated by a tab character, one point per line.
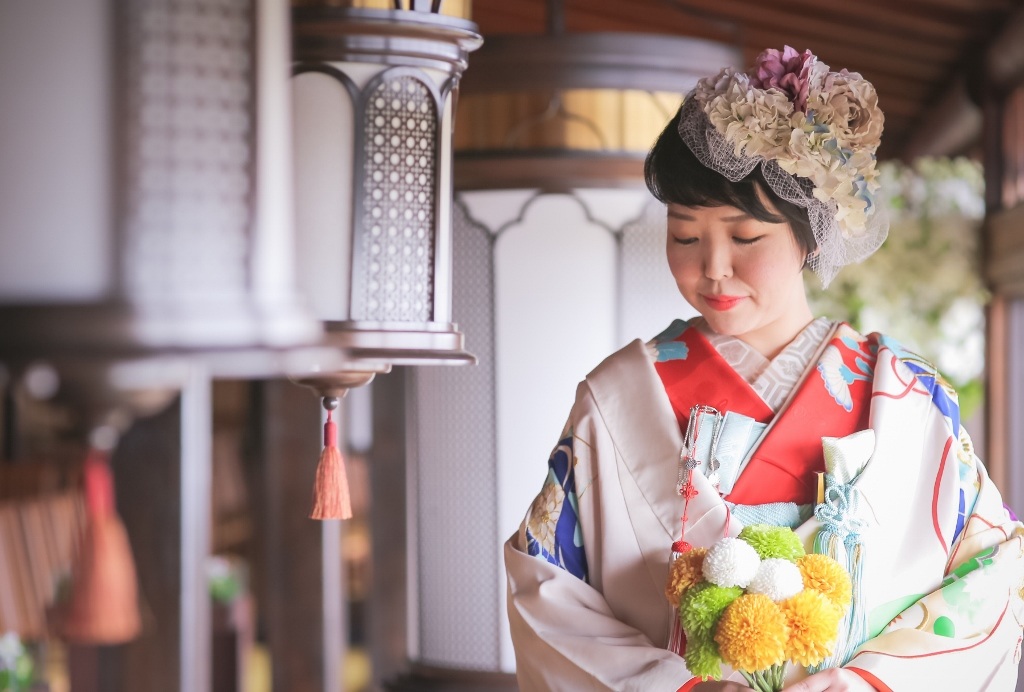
331	499
103	608
676	636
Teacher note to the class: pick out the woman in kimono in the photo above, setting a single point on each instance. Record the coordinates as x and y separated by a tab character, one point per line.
765	174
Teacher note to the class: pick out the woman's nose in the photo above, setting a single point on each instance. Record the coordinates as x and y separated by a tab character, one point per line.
717	261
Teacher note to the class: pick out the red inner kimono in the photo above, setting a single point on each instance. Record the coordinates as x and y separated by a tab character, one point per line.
783	466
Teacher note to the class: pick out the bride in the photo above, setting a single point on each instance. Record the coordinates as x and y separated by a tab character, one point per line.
765	174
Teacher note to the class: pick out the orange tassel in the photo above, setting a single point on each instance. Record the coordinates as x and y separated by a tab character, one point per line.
103	608
331	499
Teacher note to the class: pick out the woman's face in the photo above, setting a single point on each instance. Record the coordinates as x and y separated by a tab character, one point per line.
743	275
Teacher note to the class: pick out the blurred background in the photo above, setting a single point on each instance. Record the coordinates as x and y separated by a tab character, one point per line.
236	235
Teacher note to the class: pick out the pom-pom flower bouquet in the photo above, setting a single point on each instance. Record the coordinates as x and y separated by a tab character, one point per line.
755	602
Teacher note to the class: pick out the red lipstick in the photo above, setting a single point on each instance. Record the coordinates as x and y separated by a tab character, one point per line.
722	302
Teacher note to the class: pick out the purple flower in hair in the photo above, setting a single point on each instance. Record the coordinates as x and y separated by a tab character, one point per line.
785	70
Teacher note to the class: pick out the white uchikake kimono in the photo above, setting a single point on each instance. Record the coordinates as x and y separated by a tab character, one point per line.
604	624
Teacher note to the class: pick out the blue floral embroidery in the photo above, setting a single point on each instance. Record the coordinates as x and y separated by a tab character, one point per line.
552	524
838	376
667	347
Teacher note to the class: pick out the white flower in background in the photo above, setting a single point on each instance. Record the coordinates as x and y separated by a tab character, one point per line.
960	352
924	285
777	579
730	562
11	650
217	567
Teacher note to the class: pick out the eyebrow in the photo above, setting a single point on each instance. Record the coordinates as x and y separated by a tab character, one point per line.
688	217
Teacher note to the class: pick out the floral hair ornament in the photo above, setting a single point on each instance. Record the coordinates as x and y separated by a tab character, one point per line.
814	133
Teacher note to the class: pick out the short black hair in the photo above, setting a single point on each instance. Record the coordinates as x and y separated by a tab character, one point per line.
675	176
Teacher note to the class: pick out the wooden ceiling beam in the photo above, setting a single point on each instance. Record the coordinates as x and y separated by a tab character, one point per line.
808	27
918	90
883	54
661	19
509	18
890	19
907	48
863	60
949	126
876	57
965	6
896	105
949	20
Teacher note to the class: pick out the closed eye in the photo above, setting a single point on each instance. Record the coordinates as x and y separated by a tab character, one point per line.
683	241
747	241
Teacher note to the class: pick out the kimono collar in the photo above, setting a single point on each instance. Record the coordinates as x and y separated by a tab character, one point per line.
635	408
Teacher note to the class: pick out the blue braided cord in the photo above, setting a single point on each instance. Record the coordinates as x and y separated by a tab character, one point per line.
843	510
787	514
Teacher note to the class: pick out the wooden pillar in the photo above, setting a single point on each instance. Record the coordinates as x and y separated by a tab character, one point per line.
162	471
297	575
388	625
996	356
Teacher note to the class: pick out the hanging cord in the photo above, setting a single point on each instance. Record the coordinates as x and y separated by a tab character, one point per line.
686	489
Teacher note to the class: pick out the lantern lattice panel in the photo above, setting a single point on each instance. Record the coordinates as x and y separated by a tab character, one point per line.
189	101
398	202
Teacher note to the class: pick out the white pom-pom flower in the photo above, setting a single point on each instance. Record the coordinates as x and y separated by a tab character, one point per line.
777	579
731	562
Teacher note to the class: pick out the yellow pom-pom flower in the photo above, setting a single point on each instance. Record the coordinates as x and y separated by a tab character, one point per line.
751	634
683	573
826	576
813	623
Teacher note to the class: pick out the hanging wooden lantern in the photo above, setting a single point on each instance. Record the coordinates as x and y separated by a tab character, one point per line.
374	94
145	186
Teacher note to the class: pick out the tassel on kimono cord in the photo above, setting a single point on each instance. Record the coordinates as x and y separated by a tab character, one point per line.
331	498
103	607
840	539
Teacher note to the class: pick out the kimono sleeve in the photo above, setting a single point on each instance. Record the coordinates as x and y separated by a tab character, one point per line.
566	636
966	635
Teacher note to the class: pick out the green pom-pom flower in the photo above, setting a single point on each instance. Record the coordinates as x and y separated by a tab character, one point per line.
701	606
773	541
702	659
